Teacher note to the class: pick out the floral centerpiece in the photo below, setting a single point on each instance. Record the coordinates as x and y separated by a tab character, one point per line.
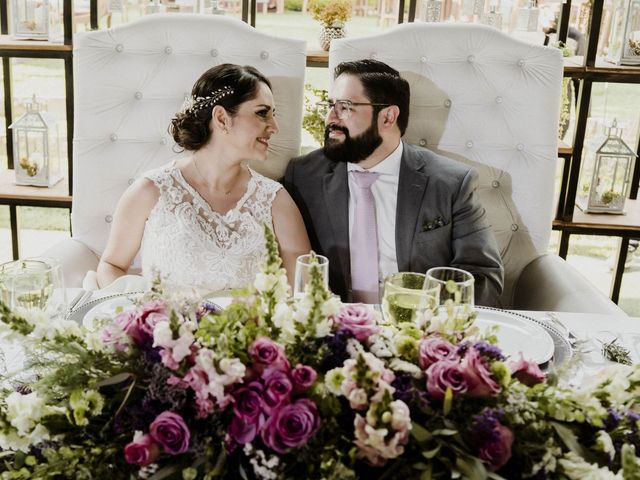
332	14
274	387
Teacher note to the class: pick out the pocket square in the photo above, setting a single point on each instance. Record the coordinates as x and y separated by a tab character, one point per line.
433	224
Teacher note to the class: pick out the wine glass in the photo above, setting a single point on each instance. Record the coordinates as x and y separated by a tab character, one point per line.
455	287
304	265
405	299
33	284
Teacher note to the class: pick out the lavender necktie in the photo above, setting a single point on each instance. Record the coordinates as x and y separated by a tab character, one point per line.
364	240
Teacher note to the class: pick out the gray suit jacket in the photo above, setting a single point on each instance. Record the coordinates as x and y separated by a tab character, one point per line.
439	219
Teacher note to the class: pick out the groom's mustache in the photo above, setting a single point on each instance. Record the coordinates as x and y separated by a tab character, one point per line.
333	126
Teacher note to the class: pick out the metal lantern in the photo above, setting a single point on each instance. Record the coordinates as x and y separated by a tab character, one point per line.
492	18
431	10
30	19
611	175
527	19
624	39
36	147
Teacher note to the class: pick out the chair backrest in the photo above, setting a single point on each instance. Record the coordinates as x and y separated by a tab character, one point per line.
488	100
130	81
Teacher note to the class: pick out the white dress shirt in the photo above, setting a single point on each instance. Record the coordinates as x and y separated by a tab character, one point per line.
385	194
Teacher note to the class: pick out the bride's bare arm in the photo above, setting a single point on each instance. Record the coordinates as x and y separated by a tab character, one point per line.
290	231
126	230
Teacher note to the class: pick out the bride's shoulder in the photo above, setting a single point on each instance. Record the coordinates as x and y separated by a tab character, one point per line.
265	183
160	175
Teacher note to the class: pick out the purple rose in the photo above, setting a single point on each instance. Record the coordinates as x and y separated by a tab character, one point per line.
170	431
358	319
526	371
498	451
142	451
291	426
264	353
480	381
139	325
277	389
248	408
433	349
445	374
303	377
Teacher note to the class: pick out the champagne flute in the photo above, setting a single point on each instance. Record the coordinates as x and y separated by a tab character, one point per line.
455	287
405	299
304	265
33	284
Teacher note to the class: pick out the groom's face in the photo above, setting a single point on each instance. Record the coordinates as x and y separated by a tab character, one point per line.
351	135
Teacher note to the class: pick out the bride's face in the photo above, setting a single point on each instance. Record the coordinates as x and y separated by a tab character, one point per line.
253	125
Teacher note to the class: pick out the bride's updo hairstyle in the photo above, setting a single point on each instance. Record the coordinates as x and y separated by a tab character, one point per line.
227	85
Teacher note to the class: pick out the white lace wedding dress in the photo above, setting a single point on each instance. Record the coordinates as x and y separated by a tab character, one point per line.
192	245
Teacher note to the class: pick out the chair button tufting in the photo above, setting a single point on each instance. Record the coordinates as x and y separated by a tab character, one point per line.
495	184
514	227
163	141
423	59
119	48
108	219
113	137
471	58
168	50
447	103
131	180
520	147
469	144
498	99
264	55
423	142
521	63
373	56
138	95
213	53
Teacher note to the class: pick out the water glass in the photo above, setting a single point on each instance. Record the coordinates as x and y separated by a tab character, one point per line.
33	284
304	265
453	284
405	299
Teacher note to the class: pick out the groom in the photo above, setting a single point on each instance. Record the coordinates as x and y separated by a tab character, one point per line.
375	205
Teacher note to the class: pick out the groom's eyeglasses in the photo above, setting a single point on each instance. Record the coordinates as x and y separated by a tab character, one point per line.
343	108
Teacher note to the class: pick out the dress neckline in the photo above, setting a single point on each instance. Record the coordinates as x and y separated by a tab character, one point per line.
251	185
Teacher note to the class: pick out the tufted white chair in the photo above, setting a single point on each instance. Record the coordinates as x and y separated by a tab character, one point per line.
130	81
490	101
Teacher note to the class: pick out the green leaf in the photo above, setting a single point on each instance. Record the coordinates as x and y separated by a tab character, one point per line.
114	380
429	454
471	468
427	474
420	433
445	432
448	400
568	438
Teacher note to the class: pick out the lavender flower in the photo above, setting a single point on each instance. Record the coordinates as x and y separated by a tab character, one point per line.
337	352
489	350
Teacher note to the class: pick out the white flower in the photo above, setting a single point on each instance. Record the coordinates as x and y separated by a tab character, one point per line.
265	282
331	306
233	370
576	468
182	346
399	365
323	328
162	335
333	380
24	411
604	443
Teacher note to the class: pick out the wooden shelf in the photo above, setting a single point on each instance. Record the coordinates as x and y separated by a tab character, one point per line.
12	194
604	223
317	58
9	43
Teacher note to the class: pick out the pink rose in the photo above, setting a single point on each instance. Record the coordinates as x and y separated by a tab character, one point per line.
139	325
248	409
292	426
142	451
303	377
264	353
526	371
170	431
477	373
445	374
277	389
497	452
358	319
435	348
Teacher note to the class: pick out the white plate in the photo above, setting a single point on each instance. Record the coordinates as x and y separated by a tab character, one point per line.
105	307
518	334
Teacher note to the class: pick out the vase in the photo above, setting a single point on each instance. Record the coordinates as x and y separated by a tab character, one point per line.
330	33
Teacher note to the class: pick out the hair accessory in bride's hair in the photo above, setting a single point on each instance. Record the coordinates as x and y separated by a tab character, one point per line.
192	104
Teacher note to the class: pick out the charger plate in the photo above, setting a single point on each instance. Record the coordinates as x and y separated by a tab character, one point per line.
537	340
102	307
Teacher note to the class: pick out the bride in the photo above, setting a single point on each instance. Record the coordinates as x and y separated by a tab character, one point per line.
199	221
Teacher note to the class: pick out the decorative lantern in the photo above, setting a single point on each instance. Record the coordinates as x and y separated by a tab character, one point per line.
611	175
472	8
431	10
36	147
624	40
527	20
492	18
31	19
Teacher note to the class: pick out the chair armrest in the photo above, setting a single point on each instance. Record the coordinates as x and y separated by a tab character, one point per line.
549	283
76	260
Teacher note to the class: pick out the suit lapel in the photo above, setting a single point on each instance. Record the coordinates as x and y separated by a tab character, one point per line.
336	198
412	184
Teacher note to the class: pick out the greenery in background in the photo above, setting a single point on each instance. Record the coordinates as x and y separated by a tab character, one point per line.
313	121
37	218
293	5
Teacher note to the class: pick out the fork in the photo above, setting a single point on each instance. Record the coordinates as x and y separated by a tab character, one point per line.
575	342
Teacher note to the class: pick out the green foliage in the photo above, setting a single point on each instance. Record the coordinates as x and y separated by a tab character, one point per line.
313	120
293	5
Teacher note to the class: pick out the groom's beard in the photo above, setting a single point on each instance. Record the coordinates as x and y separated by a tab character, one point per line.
351	149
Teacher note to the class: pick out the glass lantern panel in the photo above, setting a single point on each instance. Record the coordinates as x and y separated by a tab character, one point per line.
56	30
31	151
612	173
31	18
616	38
632	40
